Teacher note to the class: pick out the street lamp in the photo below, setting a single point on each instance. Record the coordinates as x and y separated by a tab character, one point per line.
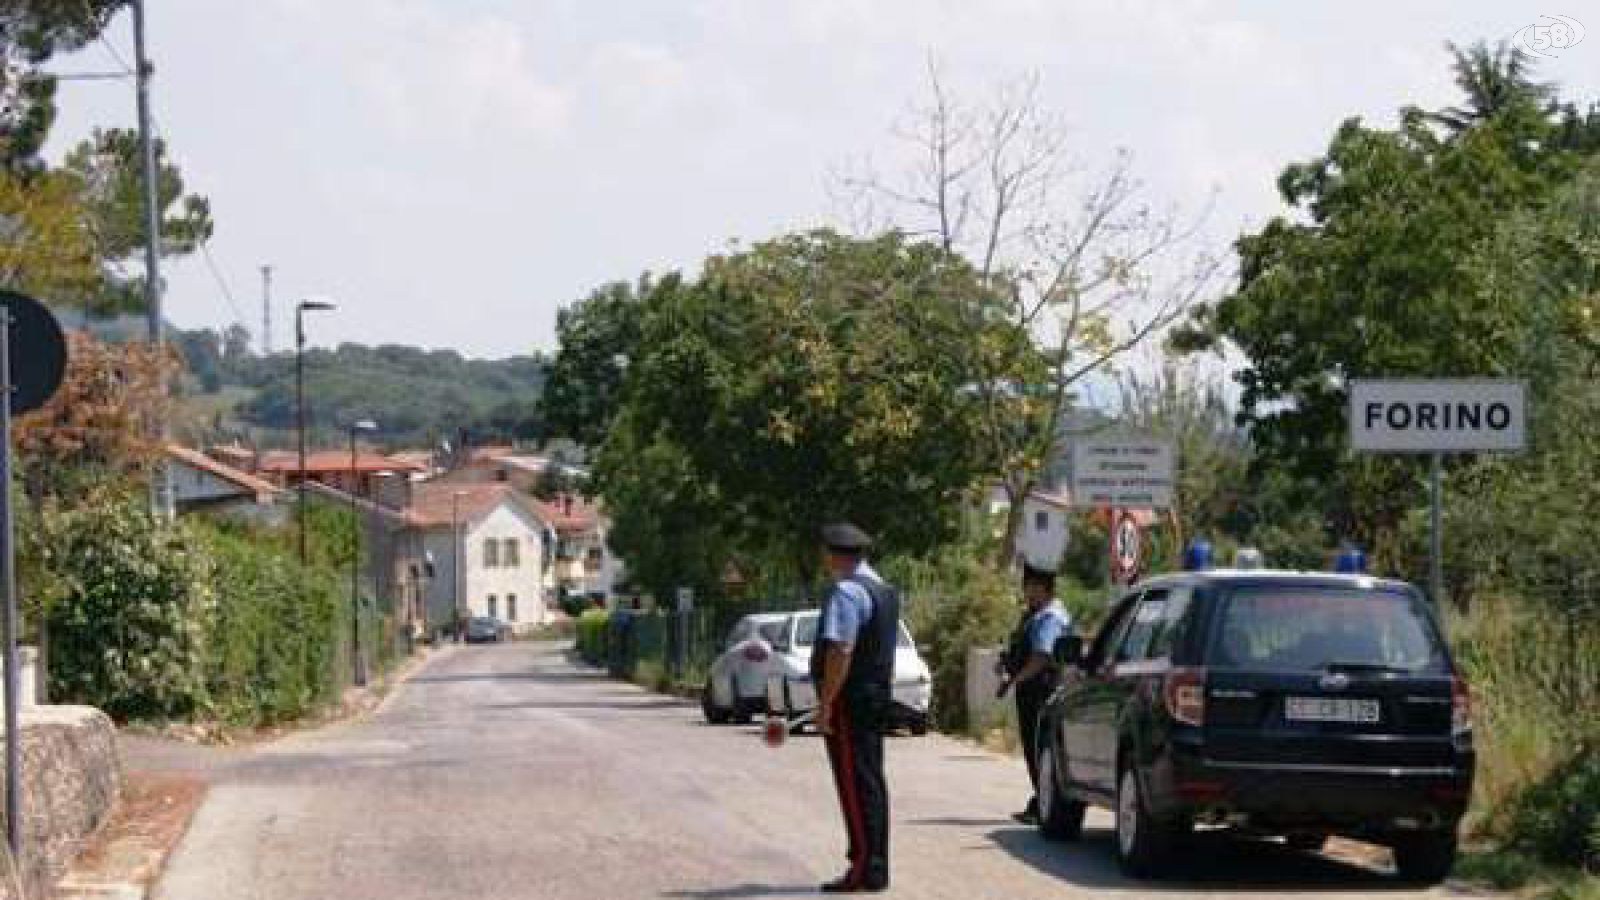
455	561
360	668
300	310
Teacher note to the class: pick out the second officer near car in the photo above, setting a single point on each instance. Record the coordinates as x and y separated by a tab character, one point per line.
1029	666
852	667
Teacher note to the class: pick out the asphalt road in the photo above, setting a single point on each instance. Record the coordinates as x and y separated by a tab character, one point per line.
505	772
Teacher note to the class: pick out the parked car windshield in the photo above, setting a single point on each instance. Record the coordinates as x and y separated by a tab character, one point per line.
805	631
1300	629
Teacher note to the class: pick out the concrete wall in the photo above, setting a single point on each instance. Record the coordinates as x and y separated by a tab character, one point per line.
982	682
71	778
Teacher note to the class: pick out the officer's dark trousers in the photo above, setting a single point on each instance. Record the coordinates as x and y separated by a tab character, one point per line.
1031	696
855	753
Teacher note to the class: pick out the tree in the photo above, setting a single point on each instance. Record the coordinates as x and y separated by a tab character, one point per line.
597	337
44	250
1074	272
109	168
1374	276
100	419
31	32
809	378
1497	83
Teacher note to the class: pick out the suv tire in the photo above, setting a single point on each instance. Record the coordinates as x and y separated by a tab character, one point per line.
1060	816
715	715
1144	844
1425	858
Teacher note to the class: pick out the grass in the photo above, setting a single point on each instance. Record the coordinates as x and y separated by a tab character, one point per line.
1536	700
1514	870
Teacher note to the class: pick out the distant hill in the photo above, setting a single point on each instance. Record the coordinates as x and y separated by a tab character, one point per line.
416	397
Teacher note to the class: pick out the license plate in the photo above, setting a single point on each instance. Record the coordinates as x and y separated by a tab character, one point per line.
1331	709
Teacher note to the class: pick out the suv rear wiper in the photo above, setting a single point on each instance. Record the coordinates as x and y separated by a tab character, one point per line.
1338	666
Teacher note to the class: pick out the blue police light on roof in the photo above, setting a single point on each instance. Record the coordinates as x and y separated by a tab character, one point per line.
1351	560
1197	556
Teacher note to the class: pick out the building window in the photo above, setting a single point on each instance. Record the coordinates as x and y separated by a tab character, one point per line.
511	607
513	552
494	606
491	553
1041	521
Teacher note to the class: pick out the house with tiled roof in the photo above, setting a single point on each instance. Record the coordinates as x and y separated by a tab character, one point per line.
489	548
203	484
361	473
584	563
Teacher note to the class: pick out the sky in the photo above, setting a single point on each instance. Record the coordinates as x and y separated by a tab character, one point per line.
452	172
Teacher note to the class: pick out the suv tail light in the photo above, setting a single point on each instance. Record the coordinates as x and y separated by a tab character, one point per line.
1460	706
1185	694
755	652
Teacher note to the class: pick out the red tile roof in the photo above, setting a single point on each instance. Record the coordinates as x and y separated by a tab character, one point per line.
436	503
320	461
263	489
569	513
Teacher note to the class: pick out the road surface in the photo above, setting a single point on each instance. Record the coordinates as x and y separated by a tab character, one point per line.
504	772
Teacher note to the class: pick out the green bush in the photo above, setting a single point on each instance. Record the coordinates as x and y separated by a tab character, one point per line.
1559	818
128	629
592	636
156	621
273	635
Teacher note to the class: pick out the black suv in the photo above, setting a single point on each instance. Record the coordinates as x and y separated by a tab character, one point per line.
1276	703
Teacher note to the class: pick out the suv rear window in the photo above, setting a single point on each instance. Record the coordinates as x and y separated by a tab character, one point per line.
1276	629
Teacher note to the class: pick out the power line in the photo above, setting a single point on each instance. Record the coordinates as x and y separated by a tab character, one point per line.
222	283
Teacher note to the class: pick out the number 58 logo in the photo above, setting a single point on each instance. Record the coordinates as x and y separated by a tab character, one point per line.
1549	35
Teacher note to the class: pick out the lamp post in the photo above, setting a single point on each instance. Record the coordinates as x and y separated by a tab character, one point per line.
455	562
300	310
359	673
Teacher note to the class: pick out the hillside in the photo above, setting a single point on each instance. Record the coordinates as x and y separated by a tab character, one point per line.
415	396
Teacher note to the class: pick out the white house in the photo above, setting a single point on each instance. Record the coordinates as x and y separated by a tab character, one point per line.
486	546
1042	534
584	564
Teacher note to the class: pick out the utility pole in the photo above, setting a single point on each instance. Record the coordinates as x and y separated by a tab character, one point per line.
266	310
161	481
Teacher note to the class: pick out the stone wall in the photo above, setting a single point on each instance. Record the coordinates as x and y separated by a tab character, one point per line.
70	780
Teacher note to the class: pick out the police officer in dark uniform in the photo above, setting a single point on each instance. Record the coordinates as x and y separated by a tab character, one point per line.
1029	666
852	667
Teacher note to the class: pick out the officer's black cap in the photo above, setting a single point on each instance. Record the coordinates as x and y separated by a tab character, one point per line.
843	537
1037	574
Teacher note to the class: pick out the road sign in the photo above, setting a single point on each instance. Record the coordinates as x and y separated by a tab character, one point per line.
1449	415
1126	547
39	352
685	599
1130	472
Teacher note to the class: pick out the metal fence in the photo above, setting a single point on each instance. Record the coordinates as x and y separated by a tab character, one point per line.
677	647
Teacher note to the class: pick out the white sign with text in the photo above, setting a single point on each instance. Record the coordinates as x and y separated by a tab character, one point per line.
1131	472
1448	415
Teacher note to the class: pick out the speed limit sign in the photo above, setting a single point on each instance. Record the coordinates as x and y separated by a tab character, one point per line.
1126	547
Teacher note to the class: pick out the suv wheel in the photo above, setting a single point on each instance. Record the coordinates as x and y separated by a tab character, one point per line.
1060	817
1144	845
1425	858
708	705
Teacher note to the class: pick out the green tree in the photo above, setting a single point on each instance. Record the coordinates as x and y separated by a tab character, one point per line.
31	32
810	377
597	336
109	168
1374	276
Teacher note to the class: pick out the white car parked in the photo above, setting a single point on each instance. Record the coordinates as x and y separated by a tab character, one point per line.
766	666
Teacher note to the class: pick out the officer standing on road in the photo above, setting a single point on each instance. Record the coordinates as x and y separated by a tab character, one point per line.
1029	665
853	669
